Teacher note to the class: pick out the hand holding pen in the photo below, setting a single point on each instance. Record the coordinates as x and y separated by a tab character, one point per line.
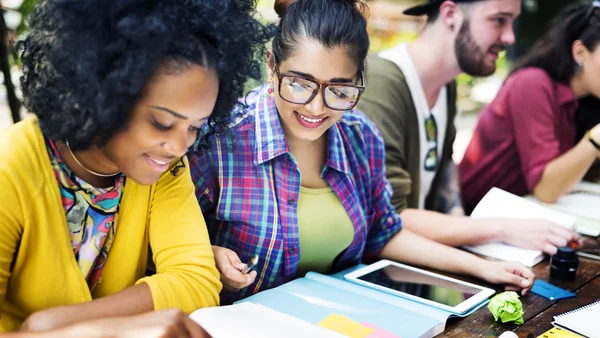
235	274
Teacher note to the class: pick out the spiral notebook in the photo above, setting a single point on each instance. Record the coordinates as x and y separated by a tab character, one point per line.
583	320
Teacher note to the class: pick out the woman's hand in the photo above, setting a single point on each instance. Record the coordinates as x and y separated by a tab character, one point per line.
537	234
513	275
232	269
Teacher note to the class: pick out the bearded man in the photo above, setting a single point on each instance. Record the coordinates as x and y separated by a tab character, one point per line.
411	97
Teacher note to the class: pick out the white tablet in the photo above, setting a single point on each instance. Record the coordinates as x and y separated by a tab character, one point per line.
422	286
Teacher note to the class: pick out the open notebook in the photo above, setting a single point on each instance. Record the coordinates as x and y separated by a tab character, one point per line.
316	296
583	320
499	203
251	320
583	202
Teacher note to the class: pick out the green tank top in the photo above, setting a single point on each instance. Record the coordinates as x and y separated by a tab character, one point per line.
325	229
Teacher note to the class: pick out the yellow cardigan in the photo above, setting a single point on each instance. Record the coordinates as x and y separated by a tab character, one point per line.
38	269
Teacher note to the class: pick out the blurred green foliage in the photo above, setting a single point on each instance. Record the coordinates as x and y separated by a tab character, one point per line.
25	9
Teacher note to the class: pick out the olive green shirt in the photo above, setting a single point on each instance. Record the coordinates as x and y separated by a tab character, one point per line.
387	101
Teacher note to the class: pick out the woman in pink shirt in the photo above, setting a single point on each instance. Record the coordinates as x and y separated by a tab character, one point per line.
526	139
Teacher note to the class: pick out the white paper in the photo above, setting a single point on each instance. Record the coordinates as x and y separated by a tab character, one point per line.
250	320
499	203
590	187
509	253
583	320
583	202
586	207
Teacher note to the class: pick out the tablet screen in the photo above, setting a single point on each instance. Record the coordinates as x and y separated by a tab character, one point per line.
420	285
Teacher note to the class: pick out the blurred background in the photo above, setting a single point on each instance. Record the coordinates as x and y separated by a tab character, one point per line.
387	27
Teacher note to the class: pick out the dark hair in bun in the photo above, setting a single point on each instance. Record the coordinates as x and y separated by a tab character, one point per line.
282	5
333	23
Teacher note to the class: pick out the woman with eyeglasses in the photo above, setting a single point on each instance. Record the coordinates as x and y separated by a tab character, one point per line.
298	179
97	179
529	140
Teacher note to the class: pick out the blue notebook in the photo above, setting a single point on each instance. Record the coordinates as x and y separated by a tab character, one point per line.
316	296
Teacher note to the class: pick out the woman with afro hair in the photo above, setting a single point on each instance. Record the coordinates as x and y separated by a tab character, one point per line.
97	178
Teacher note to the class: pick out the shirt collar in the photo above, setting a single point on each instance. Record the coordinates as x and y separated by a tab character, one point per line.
565	94
566	97
270	138
336	151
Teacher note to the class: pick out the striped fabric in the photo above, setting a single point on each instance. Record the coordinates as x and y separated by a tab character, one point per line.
248	185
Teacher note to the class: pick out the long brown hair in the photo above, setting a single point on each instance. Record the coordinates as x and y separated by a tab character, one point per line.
552	52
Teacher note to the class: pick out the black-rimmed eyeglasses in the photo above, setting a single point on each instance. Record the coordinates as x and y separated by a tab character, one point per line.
299	89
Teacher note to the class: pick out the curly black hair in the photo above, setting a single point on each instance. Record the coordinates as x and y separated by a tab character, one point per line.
86	62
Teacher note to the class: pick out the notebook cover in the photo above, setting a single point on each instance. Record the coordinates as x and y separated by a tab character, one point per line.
313	301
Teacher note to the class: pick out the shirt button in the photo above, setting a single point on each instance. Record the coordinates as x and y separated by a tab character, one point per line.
291	201
291	250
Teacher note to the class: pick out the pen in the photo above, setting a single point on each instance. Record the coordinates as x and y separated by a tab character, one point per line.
588	255
251	264
594	250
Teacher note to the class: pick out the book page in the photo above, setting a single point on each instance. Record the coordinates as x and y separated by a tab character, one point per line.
584	206
589	187
499	203
251	320
509	253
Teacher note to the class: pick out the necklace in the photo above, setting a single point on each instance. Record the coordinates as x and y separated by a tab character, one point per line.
86	169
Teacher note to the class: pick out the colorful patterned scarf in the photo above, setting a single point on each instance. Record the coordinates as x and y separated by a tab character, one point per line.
90	214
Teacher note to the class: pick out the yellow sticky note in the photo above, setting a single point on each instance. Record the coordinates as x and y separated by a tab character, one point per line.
345	326
557	332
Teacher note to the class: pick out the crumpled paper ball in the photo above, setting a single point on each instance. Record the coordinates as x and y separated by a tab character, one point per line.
507	307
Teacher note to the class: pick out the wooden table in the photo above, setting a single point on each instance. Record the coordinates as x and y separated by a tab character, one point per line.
538	310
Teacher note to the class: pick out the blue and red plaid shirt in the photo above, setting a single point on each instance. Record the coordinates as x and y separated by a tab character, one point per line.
248	185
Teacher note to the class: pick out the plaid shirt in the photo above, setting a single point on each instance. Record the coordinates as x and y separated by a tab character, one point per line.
248	184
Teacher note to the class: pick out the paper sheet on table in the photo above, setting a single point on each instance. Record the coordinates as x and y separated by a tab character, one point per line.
251	320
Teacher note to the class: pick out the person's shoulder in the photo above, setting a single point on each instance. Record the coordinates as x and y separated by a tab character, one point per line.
242	116
20	140
362	139
21	152
379	68
357	123
240	121
529	76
